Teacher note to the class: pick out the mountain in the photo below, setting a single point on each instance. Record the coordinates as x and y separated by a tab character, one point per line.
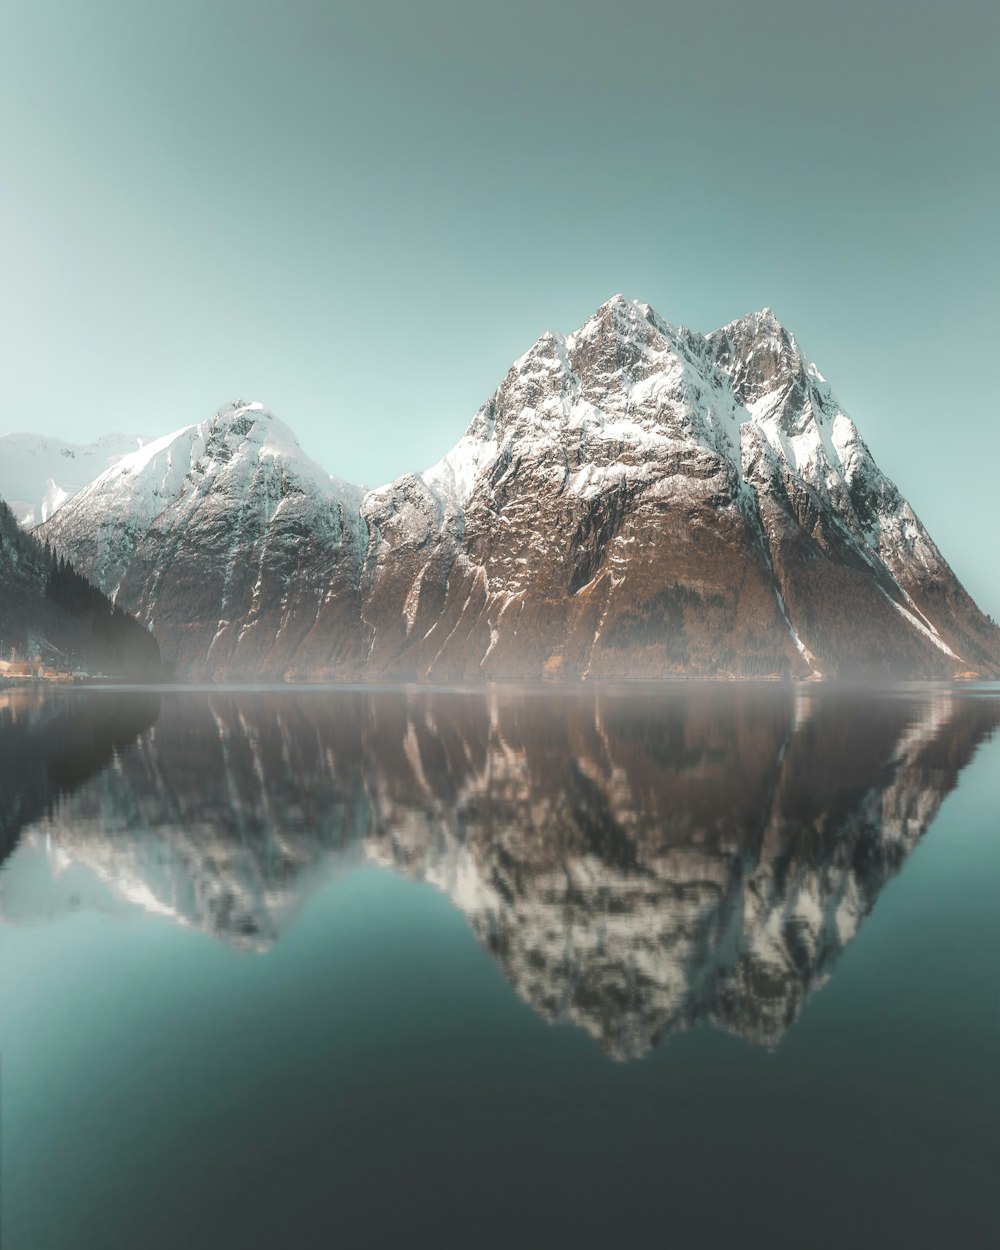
38	474
229	542
637	865
49	610
639	500
635	500
814	478
54	741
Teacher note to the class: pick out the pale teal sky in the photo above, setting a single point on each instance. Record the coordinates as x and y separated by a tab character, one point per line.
361	213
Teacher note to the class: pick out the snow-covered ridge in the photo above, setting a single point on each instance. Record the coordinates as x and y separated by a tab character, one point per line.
204	525
657	377
38	474
553	393
238	441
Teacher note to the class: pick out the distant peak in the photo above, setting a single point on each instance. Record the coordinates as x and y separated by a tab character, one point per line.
622	304
622	313
758	329
763	321
240	407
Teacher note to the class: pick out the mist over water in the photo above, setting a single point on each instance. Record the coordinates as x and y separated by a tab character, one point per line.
283	967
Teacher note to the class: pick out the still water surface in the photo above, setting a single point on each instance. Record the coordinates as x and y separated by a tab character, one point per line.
703	966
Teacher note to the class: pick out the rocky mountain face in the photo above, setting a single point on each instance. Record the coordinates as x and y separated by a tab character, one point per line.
849	552
230	543
636	865
635	500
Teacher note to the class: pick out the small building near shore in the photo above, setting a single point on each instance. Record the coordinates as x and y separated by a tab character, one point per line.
22	668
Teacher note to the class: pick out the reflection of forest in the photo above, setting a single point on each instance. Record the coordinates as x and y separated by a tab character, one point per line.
51	742
636	863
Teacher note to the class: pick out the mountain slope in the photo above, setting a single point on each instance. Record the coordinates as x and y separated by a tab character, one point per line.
635	500
809	466
226	538
606	498
49	610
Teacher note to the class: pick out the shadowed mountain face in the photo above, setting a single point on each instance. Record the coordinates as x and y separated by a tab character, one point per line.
637	864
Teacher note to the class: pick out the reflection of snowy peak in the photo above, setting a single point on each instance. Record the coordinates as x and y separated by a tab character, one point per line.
38	474
637	866
634	500
217	819
638	876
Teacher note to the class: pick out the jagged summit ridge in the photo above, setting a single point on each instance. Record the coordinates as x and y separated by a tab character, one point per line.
628	372
625	376
635	499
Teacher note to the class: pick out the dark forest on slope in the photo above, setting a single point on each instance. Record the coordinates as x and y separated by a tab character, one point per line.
49	610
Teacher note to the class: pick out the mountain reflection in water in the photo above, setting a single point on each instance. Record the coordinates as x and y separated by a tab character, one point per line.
637	862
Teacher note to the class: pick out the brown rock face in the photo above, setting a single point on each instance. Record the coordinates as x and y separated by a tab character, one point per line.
641	501
634	501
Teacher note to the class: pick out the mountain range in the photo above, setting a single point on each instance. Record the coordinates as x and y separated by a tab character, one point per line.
635	500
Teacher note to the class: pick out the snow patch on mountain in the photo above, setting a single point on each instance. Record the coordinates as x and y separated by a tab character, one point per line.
454	477
38	474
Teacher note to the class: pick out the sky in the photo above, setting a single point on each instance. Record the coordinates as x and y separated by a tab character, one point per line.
361	213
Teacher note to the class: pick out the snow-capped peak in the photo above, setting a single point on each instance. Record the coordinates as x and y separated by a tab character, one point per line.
762	323
618	398
604	400
634	495
225	500
240	456
238	433
625	317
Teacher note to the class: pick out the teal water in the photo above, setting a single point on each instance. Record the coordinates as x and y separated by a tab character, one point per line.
398	968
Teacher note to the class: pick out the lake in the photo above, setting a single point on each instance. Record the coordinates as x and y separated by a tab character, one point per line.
694	965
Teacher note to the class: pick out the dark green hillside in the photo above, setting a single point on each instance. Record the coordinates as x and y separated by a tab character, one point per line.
48	609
